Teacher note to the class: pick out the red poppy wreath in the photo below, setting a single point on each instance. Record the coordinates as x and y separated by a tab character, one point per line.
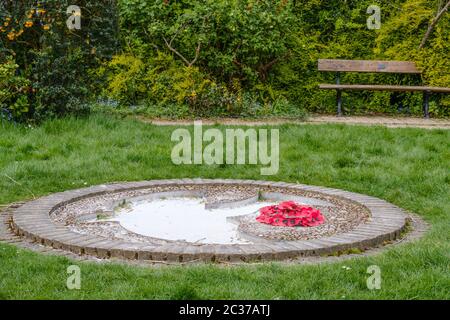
290	214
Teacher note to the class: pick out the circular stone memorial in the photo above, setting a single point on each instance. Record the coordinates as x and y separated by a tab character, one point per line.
205	220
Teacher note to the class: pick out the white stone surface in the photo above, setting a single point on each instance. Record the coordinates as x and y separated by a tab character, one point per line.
184	219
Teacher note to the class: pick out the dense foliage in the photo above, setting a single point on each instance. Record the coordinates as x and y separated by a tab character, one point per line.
217	57
260	57
407	167
214	57
13	91
54	60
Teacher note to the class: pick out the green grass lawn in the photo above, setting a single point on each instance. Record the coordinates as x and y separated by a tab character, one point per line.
408	167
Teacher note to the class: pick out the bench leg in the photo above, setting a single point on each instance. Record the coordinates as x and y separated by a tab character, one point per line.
339	103
426	105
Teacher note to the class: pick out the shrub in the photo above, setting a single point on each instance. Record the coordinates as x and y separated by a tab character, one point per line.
217	57
214	57
124	76
14	90
231	39
169	88
267	50
55	60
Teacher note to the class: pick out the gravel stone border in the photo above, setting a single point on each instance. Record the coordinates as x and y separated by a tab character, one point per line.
32	221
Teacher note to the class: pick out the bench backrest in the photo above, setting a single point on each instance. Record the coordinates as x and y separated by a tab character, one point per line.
368	66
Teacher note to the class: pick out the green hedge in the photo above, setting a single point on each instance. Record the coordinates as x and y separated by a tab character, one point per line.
263	52
183	58
57	62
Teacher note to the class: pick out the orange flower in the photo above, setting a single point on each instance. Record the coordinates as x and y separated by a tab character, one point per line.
11	36
29	24
46	27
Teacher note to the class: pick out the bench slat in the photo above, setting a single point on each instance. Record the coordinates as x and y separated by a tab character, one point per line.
368	66
382	88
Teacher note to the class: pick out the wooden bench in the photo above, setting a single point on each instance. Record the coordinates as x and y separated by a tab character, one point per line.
402	67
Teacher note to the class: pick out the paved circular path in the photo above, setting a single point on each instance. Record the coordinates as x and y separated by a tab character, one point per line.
32	221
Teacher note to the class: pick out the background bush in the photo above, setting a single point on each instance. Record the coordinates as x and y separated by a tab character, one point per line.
14	91
56	61
260	57
183	58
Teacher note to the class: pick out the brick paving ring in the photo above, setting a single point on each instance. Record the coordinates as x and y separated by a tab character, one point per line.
84	221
